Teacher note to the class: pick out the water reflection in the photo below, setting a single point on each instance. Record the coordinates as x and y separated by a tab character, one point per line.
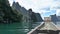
17	28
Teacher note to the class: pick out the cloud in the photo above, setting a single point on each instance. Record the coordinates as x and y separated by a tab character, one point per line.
41	6
55	4
58	12
10	1
45	8
57	0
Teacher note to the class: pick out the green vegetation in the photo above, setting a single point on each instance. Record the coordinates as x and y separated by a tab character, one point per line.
7	14
33	17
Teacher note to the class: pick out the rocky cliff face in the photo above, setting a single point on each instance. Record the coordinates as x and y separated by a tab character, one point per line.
28	15
7	14
38	17
35	17
18	7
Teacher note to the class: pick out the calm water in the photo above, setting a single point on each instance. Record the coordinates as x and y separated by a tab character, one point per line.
15	28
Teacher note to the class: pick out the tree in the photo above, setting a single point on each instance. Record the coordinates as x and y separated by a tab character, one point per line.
7	14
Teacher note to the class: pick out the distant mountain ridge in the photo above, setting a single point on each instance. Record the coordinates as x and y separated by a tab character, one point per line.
19	8
29	15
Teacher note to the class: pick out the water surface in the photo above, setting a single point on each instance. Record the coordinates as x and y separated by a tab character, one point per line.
16	28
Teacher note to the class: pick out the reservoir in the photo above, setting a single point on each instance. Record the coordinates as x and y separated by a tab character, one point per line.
16	28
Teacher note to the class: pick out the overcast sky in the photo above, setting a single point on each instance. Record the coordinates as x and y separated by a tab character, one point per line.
44	7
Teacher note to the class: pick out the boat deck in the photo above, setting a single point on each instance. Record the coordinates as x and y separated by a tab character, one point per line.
45	28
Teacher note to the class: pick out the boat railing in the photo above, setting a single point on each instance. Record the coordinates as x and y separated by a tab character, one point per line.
33	31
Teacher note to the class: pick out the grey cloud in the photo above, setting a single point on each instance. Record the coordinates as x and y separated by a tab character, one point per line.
56	0
47	8
57	7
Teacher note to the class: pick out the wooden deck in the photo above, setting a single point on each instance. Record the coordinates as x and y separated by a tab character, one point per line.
45	28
